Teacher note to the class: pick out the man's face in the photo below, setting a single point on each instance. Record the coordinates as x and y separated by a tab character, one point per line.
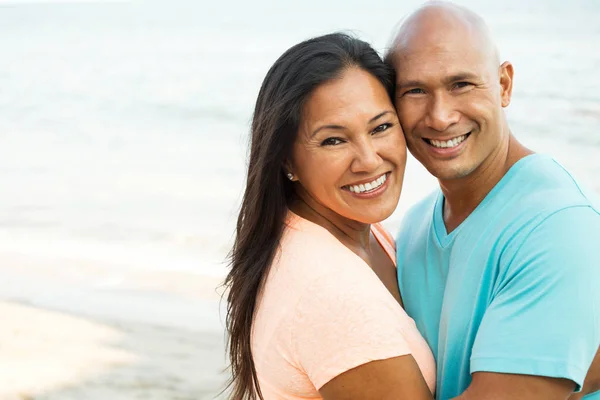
449	100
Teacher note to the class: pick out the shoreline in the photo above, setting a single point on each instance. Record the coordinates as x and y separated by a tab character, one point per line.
52	355
151	335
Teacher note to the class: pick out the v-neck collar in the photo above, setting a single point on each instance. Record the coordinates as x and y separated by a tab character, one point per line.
443	237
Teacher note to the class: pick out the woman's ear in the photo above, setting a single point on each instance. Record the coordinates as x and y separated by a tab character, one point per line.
289	171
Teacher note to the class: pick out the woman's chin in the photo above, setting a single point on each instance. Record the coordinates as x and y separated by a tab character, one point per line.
375	210
372	216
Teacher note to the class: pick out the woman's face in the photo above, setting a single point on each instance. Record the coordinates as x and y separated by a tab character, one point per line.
350	154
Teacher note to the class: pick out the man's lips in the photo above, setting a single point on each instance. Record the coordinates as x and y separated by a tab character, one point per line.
448	143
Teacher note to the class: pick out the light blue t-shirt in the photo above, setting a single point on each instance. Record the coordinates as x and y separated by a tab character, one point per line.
516	287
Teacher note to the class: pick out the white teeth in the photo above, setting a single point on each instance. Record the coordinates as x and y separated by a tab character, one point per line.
368	186
448	143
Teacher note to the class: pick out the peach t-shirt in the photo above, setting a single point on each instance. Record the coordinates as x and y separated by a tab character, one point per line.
323	311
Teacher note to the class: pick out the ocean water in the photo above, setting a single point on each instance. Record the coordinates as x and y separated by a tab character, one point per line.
123	125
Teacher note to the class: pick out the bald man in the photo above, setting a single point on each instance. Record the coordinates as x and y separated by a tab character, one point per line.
500	267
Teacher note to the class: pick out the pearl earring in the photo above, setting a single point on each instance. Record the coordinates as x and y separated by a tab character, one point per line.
290	176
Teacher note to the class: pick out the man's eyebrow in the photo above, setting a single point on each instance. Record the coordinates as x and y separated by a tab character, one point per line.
461	76
339	127
405	84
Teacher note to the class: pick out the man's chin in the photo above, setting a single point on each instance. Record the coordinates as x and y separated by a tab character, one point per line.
450	170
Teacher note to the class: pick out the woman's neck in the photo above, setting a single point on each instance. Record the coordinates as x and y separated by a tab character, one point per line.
353	234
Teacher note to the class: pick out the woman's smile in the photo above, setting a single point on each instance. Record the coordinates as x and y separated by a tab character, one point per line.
368	188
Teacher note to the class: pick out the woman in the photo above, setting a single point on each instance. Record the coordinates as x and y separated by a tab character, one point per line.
314	308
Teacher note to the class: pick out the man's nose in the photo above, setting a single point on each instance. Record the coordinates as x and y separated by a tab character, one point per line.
441	113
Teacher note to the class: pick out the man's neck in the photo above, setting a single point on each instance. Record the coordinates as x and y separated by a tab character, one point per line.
462	196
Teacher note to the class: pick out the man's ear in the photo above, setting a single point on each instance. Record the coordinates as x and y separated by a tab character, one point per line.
506	82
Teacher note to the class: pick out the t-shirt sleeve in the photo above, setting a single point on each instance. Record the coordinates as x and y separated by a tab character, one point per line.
345	320
543	318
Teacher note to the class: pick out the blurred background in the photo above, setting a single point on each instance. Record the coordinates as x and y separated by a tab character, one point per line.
123	137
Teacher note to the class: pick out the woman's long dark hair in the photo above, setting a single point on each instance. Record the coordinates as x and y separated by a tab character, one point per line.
277	114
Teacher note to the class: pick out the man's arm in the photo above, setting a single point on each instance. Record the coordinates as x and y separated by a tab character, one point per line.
592	379
540	332
496	386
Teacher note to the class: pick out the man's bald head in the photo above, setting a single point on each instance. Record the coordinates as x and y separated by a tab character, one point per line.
439	23
450	90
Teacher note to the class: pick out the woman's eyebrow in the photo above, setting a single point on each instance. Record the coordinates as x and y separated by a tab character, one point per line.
340	127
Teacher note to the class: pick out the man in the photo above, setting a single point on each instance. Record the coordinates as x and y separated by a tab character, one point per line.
501	267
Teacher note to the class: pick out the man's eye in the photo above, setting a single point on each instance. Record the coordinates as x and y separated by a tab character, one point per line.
461	85
332	141
382	128
414	91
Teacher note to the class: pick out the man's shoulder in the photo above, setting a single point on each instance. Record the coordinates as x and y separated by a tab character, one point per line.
549	186
417	221
540	189
549	205
420	211
539	197
423	208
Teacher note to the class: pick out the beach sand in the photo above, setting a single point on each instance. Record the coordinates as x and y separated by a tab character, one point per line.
79	346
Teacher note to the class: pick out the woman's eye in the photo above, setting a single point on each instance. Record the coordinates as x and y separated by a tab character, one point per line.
382	127
331	141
